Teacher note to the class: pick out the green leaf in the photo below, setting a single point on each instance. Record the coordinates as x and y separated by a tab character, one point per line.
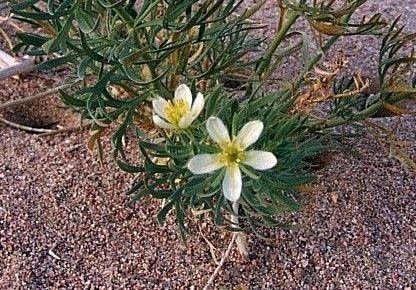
253	200
195	186
41	15
139	195
218	219
161	194
53	44
47	65
110	4
180	218
218	177
284	200
152	168
129	168
82	67
152	146
70	100
161	216
247	171
117	139
32	39
92	53
252	10
212	101
293	181
23	5
87	22
140	184
275	192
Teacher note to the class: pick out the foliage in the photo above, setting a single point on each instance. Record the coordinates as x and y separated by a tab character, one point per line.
127	53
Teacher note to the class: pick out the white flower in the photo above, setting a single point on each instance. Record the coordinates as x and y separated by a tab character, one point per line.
180	112
233	153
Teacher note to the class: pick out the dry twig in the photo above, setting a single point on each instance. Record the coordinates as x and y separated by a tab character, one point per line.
67	129
26	64
23	127
6	38
42	131
35	97
224	257
6	60
10	66
211	247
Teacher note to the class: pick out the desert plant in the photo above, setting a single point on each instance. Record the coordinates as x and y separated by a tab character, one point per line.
132	60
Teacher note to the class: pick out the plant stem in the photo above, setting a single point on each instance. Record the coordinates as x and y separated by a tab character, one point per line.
278	38
241	241
368	112
124	16
315	60
157	85
234	215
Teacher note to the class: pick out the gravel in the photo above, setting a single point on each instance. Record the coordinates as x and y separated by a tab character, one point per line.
65	222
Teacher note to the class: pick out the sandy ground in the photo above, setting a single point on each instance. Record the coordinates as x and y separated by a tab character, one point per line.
65	221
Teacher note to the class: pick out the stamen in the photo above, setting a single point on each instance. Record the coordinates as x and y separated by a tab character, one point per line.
231	154
175	110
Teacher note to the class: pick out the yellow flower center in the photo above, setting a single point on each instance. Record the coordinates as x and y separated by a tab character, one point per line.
231	154
175	110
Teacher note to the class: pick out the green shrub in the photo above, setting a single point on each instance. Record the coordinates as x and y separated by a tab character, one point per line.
131	58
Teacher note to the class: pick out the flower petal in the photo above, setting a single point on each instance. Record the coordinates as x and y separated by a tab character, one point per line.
190	116
232	183
198	105
185	94
249	134
161	123
186	120
204	163
217	130
159	105
260	160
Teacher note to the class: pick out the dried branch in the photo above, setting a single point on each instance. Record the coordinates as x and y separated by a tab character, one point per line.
44	132
224	257
6	60
6	38
25	65
67	129
211	247
23	127
35	97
